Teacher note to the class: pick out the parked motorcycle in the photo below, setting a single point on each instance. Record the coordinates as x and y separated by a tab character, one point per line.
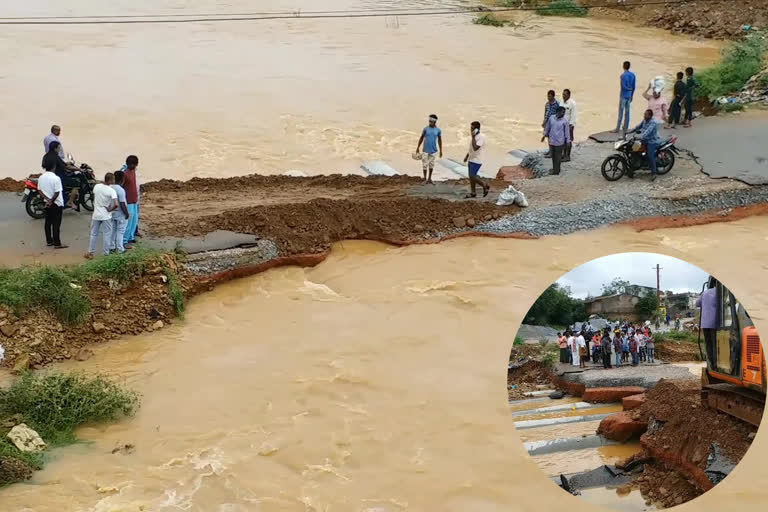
631	156
35	204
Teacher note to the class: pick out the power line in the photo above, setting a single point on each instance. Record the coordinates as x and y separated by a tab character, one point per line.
348	14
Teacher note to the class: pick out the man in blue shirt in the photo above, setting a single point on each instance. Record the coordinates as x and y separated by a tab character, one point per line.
649	133
559	133
628	83
432	137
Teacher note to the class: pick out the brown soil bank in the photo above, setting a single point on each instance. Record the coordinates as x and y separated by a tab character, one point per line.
708	19
11	185
679	439
527	378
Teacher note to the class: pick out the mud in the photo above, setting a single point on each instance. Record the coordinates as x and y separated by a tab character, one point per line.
11	185
708	217
673	352
527	378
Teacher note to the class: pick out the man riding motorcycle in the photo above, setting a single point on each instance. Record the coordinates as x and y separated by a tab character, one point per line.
70	179
649	134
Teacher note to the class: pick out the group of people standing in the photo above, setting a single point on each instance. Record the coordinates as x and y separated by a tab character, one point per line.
628	343
115	202
559	123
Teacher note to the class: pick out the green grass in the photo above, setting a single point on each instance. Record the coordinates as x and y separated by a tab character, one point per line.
763	81
740	62
489	20
519	341
676	336
732	107
567	8
56	404
61	290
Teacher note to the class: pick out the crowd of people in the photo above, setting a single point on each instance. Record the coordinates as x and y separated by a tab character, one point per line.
115	215
627	344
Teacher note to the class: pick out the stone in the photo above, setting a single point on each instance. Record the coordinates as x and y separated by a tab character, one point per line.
21	364
621	427
418	227
459	222
633	401
471	222
751	436
99	327
606	395
9	329
35	343
158	325
14	470
26	439
83	354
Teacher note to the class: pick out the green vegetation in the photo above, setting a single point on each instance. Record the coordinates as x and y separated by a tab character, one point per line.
519	341
489	20
555	307
732	107
647	307
551	354
616	286
740	62
54	405
675	336
562	8
61	289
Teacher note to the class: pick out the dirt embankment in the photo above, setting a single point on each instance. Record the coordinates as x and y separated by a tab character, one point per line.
707	19
526	379
679	440
11	185
674	352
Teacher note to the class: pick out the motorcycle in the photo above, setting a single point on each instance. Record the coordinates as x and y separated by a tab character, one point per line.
631	156
34	202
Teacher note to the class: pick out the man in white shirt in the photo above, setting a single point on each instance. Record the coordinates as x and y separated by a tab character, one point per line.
104	203
581	344
54	136
575	360
572	115
475	158
50	189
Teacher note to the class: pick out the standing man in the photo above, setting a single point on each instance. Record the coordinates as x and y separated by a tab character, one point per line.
54	137
627	82
581	345
50	189
617	348
708	304
559	134
676	108
691	85
649	133
571	115
562	342
606	349
633	348
432	137
650	347
550	107
104	203
132	198
120	216
475	158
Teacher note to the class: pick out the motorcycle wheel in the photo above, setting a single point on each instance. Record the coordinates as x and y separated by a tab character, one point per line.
86	199
614	167
665	161
35	206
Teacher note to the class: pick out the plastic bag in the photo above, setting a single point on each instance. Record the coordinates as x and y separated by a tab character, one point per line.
2	353
657	84
512	196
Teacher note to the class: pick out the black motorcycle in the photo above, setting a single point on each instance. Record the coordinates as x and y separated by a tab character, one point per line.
35	204
631	156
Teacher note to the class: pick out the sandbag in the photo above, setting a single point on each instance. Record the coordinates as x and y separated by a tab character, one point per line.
657	84
512	196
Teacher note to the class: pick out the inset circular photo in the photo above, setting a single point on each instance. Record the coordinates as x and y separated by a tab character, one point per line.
637	381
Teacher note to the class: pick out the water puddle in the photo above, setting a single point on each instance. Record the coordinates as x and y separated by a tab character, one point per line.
617	499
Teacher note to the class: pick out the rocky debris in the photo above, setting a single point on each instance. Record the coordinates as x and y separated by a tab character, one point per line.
610	394
124	449
11	185
633	402
99	327
459	222
14	470
513	173
83	354
527	378
9	330
621	427
536	165
22	363
665	487
537	333
26	439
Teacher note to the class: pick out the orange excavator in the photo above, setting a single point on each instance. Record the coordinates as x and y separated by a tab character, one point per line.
734	380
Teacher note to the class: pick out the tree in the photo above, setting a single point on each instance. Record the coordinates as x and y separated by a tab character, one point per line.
555	307
616	286
647	307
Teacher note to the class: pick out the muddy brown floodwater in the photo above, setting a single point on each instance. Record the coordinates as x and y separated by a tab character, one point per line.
315	95
373	382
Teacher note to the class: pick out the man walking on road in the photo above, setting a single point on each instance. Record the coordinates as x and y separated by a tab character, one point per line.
559	134
50	188
571	115
104	203
627	82
475	158
432	137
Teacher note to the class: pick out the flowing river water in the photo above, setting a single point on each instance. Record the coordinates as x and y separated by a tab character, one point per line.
374	382
314	95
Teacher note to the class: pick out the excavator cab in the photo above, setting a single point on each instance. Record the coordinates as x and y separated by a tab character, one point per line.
734	380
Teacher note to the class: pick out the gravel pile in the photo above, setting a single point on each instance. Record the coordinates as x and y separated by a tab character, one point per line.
592	214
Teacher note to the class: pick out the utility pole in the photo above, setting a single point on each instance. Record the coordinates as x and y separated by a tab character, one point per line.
658	282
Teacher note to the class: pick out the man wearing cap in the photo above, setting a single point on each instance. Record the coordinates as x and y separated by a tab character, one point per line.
432	137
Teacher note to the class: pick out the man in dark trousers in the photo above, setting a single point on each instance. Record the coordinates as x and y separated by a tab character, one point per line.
559	134
51	190
691	84
708	304
677	102
606	349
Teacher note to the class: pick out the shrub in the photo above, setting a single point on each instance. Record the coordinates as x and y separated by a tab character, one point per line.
740	62
519	341
489	20
732	107
562	8
54	405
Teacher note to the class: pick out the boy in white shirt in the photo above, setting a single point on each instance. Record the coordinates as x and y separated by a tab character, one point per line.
104	203
51	190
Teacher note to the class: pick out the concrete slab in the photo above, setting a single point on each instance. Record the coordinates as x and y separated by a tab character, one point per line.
566	444
526	424
558	408
215	241
378	168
